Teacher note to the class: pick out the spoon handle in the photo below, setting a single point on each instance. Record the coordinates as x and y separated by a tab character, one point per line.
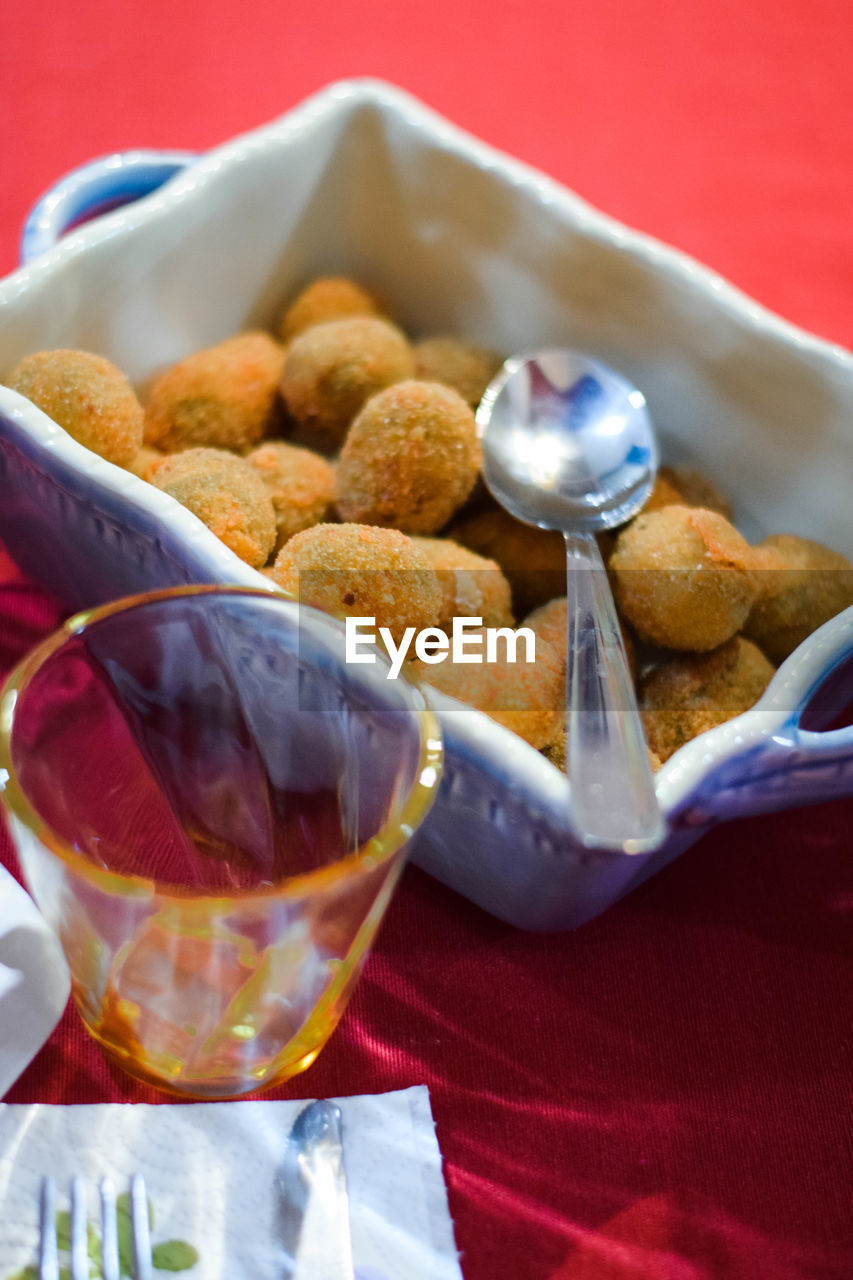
613	801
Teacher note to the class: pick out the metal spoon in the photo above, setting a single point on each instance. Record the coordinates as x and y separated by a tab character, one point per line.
568	444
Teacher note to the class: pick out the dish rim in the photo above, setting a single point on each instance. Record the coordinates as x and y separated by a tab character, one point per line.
368	91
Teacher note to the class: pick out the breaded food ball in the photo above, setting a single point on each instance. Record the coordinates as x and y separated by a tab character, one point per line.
410	458
695	489
331	369
224	397
461	365
87	396
472	586
684	577
227	494
533	560
663	494
355	570
683	696
550	622
327	298
144	462
556	750
803	585
301	484
686	487
524	697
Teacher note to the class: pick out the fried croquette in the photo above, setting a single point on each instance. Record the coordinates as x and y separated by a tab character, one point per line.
227	494
87	396
663	494
803	585
682	696
461	365
327	298
331	369
533	560
687	487
143	463
684	578
525	697
356	570
410	458
472	586
301	484
550	622
224	397
695	489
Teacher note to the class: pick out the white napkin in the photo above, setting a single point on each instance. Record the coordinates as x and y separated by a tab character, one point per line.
210	1168
34	982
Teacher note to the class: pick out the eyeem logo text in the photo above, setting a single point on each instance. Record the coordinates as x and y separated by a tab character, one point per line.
469	641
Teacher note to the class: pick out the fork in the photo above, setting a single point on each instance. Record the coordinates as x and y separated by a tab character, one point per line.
48	1263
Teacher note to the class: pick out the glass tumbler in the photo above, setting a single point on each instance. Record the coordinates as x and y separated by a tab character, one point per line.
211	808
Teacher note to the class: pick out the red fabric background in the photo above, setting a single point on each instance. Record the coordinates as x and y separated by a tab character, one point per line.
664	1094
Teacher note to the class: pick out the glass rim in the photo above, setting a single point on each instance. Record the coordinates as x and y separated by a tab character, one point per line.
375	851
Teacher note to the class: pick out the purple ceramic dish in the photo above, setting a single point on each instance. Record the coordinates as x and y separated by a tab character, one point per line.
363	180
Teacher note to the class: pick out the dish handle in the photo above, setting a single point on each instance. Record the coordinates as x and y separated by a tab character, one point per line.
94	188
790	763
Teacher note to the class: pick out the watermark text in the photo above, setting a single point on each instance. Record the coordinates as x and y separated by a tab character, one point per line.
469	641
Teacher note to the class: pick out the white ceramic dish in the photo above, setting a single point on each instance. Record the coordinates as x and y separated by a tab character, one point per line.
364	180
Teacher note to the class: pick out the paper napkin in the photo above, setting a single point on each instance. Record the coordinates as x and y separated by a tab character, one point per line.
211	1175
34	982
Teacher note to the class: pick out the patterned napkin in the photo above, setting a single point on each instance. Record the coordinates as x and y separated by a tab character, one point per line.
211	1168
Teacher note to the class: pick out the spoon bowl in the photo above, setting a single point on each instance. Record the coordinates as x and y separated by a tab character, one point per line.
568	444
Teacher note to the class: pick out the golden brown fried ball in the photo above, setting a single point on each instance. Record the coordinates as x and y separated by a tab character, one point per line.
683	696
684	577
143	385
695	489
410	458
663	494
686	487
87	396
524	697
327	298
227	494
472	586
224	397
803	585
301	484
533	560
461	365
331	369
145	460
556	750
355	570
550	621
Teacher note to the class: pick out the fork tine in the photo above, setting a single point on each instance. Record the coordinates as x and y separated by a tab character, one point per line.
48	1257
48	1254
109	1231
141	1233
79	1234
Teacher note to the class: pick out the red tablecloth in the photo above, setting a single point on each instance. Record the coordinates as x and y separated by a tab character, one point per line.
665	1093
